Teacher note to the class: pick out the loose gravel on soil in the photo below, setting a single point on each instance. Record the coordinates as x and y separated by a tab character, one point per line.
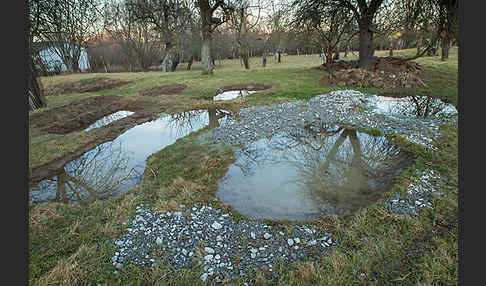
344	106
210	237
227	248
418	195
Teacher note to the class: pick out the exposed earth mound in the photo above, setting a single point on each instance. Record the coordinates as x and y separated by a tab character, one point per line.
85	85
249	87
387	64
357	77
80	114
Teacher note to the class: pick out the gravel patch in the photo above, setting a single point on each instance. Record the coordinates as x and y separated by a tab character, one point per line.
341	107
418	195
206	236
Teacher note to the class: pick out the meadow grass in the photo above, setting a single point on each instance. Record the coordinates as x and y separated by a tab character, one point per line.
69	245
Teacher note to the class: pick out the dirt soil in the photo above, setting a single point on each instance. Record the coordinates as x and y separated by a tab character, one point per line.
386	64
356	77
85	85
249	87
164	89
80	114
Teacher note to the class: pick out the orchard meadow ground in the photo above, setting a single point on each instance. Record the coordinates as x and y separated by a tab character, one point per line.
69	245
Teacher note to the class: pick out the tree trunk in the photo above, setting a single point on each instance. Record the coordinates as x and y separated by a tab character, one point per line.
365	47
189	64
279	57
213	119
419	44
34	92
392	46
171	59
445	44
264	59
206	60
245	62
336	56
175	62
244	56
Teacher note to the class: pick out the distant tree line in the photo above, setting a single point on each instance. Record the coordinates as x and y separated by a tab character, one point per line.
136	35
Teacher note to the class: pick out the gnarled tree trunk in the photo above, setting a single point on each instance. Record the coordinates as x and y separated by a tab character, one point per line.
34	90
206	60
189	64
365	47
445	45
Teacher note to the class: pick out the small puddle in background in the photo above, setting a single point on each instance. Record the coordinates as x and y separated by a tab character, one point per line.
304	174
411	106
109	119
114	167
232	94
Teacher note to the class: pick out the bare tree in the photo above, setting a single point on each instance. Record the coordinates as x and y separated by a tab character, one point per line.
67	25
449	25
207	10
169	18
327	26
364	13
242	22
277	19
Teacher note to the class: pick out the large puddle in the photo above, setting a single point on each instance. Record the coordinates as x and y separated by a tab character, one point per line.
411	106
109	119
116	166
232	94
304	174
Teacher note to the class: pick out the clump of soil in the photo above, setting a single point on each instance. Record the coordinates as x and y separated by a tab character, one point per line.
164	89
77	114
386	64
85	85
356	77
249	87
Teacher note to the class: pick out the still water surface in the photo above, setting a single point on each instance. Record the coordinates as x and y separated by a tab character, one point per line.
304	174
114	167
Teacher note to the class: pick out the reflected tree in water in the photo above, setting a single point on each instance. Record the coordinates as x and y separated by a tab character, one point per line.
97	174
338	168
344	167
189	120
419	106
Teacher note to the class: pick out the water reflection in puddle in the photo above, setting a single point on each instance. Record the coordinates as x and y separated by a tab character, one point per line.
232	94
114	167
109	119
411	106
304	174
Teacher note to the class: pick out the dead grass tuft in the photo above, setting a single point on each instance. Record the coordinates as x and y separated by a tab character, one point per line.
180	191
307	272
115	216
68	271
